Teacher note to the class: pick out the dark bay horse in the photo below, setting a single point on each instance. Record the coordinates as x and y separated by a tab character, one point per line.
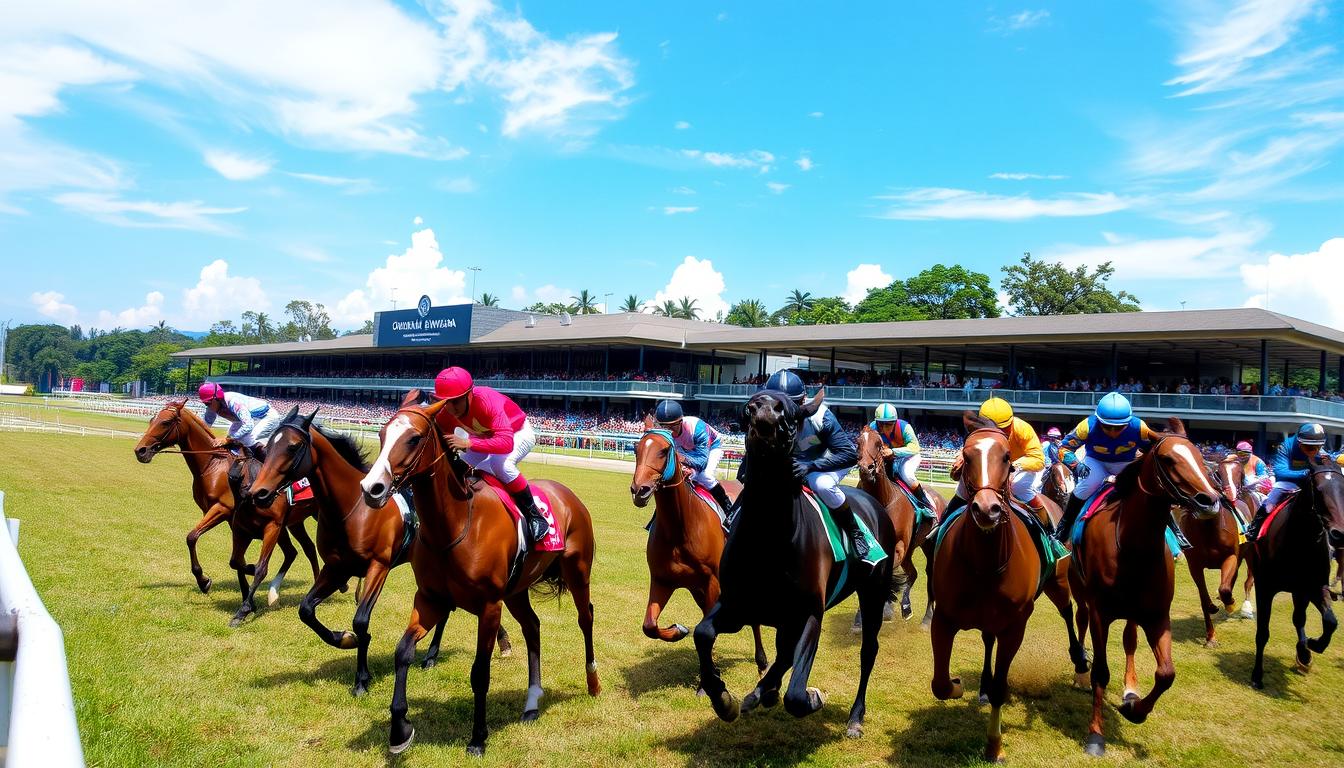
1216	544
356	541
176	426
1293	555
986	575
687	539
466	546
778	569
874	479
1127	572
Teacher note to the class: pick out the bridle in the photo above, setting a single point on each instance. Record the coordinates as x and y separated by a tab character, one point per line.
1001	492
1167	485
175	421
665	480
435	437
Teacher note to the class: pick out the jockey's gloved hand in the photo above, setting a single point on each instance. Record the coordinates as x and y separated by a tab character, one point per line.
1082	470
801	469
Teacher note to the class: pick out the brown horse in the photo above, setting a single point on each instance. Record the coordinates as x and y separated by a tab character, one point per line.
687	538
463	558
986	575
179	427
874	479
1127	572
1058	484
1216	544
355	541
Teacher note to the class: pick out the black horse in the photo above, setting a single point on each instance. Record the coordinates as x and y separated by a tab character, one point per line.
1293	556
778	570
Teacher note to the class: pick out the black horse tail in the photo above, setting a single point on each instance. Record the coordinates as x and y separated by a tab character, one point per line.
552	582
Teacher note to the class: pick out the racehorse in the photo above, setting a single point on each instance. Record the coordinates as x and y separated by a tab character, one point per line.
987	573
1216	544
778	569
467	544
1292	555
874	479
356	541
179	427
1126	571
687	539
1058	484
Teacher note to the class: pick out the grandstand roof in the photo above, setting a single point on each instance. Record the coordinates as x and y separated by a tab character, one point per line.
1223	334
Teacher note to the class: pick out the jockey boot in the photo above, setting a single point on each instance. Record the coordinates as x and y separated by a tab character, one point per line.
720	495
1071	511
1175	529
844	517
1253	530
923	496
1038	508
535	526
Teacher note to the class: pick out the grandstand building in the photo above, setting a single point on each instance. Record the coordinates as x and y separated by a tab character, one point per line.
1204	366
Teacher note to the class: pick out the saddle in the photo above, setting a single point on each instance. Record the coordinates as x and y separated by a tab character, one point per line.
708	498
922	511
1044	550
842	550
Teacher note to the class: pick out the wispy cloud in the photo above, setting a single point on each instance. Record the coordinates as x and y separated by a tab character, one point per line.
777	187
1027	176
816	115
309	253
236	167
943	203
1222	52
804	163
1025	19
682	190
681	125
1194	257
756	159
673	210
461	185
113	209
350	186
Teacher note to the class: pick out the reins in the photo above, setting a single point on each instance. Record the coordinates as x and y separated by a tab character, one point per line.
397	482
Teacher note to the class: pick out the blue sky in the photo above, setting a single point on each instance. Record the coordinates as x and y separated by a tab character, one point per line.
161	164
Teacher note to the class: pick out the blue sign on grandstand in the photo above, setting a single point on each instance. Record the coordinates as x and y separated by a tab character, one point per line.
423	326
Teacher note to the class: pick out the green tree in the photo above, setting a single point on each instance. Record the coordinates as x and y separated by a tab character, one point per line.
886	305
949	293
667	309
1037	287
687	310
39	354
489	300
797	304
545	308
152	364
308	321
632	304
366	328
584	304
830	310
749	313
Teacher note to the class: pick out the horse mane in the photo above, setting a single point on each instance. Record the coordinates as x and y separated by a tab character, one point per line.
346	446
1128	479
974	421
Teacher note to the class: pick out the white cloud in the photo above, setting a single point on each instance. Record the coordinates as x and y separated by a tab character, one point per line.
417	221
310	253
236	167
1025	19
804	163
817	115
134	317
350	186
756	159
461	185
682	125
696	279
862	279
113	209
673	210
1027	176
554	294
1188	257
942	203
776	187
1303	285
682	190
218	295
405	277
1222	52
52	304
519	294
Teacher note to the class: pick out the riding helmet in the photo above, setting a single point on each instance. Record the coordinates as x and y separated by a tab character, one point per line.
1053	433
1311	434
452	383
997	410
1114	410
886	412
668	412
1244	447
788	383
209	391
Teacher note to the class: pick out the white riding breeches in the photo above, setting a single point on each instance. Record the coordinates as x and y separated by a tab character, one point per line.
1098	471
705	478
827	487
504	465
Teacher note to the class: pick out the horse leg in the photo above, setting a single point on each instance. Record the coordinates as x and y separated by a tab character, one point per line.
217	514
1158	635
1328	621
486	631
1247	609
1264	606
799	699
1300	624
1130	641
286	548
927	548
1206	606
328	581
432	654
1058	592
659	593
766	692
501	641
237	559
725	704
1009	643
269	536
1101	677
986	675
425	613
871	605
942	633
373	586
1228	580
576	571
909	574
300	534
521	607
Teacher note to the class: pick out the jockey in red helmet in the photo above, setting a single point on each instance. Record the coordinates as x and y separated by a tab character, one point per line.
497	438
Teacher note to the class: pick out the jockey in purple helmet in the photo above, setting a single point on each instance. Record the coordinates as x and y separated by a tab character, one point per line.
251	420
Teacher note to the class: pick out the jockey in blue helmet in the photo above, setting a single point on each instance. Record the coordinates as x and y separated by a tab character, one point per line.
900	446
1292	467
698	444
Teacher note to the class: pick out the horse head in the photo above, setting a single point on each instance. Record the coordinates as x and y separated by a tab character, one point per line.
870	447
411	446
656	464
289	456
166	428
773	421
1174	467
1232	474
1328	482
985	468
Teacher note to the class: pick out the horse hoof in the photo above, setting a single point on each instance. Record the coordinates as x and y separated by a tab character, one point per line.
1316	645
855	731
348	640
1247	610
360	689
815	699
1210	609
888	613
983	698
906	611
237	621
1210	643
726	706
505	651
530	716
1258	685
957	689
681	631
1082	679
857	626
749	702
1096	745
475	750
429	663
1301	668
397	749
204	585
1131	713
273	596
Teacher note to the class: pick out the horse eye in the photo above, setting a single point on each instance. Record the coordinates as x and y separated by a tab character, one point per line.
292	448
664	453
415	440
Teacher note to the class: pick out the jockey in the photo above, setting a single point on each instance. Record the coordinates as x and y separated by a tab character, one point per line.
1292	466
1256	475
1024	451
1055	452
697	443
1113	437
901	447
251	419
823	454
498	437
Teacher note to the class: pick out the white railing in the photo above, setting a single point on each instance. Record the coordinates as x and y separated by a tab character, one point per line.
37	709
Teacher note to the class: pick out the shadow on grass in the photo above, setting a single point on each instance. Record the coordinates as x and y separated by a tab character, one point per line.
1236	666
675	665
340	668
765	737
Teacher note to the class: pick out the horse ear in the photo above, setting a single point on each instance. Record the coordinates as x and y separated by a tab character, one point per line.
970	420
810	408
308	420
412	398
432	410
292	413
179	404
1175	427
649	423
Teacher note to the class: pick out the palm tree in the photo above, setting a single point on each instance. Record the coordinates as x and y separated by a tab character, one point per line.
489	301
264	330
749	313
798	303
687	309
632	304
667	309
585	304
